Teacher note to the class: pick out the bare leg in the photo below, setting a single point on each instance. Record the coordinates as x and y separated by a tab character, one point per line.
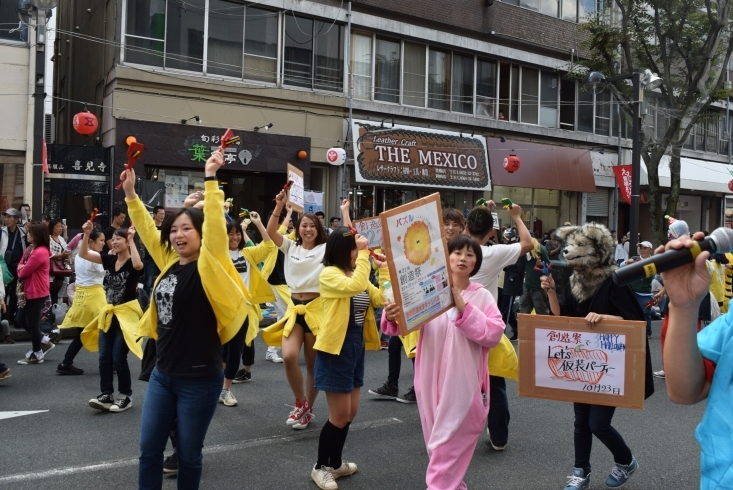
310	363
291	353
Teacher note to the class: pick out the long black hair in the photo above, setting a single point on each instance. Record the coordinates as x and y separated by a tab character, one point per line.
242	240
321	235
341	242
197	219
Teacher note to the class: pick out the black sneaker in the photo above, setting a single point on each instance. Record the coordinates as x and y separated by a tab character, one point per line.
55	336
61	369
103	401
408	397
386	392
242	376
170	465
121	405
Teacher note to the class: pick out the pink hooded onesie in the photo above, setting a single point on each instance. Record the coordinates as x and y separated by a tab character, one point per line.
451	378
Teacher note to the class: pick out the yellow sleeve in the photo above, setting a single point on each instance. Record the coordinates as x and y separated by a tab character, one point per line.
148	233
335	284
376	295
215	238
260	252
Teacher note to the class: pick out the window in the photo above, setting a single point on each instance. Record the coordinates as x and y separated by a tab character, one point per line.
570	10
567	104
662	119
712	139
145	32
530	95
9	20
329	56
619	120
724	137
585	110
603	113
486	88
508	92
226	33
462	94
185	35
690	143
361	59
585	8
414	75
700	134
530	4
548	99
298	60
260	45
550	7
387	71
439	68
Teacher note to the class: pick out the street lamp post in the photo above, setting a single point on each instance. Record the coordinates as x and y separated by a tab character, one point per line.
639	79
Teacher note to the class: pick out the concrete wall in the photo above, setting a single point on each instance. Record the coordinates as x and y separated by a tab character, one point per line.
13	96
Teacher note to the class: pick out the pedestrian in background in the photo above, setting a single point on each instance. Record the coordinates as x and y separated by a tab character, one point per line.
12	246
60	252
533	296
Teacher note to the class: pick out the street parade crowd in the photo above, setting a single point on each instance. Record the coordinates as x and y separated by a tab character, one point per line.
194	292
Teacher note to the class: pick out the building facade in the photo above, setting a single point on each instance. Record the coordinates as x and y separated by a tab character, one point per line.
293	79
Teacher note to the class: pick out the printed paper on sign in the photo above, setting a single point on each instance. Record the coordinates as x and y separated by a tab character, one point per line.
371	228
296	192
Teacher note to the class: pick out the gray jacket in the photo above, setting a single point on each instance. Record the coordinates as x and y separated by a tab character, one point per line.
4	238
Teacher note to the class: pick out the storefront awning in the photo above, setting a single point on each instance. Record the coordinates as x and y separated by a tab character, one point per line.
695	175
542	166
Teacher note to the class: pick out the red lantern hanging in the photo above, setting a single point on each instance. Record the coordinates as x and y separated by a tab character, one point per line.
85	123
730	186
512	163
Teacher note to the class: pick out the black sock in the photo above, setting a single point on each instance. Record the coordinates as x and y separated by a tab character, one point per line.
338	446
329	437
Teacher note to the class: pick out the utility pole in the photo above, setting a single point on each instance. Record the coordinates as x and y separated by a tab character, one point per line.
39	97
635	163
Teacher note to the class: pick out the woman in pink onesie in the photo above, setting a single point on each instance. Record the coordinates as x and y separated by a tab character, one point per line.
451	374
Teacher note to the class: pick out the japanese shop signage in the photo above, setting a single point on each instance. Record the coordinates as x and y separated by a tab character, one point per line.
623	176
419	156
561	359
84	160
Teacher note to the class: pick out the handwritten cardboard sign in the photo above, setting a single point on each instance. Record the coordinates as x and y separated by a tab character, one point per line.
371	228
417	256
560	358
296	193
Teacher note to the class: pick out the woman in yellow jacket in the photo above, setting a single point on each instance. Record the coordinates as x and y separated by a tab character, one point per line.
245	260
198	303
348	301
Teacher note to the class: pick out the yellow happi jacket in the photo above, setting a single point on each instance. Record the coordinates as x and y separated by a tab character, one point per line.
128	315
258	286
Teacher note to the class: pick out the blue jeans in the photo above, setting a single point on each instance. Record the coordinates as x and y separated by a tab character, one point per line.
113	357
644	299
190	403
498	411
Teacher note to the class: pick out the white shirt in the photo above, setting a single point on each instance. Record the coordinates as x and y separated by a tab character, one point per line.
621	252
242	266
495	258
302	267
88	273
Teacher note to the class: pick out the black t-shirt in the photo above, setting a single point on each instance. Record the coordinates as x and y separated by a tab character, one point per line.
514	277
611	299
277	277
121	284
188	342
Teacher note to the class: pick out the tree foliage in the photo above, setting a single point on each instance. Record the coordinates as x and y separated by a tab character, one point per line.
686	42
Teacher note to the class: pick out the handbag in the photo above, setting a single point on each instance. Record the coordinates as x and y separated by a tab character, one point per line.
59	269
7	276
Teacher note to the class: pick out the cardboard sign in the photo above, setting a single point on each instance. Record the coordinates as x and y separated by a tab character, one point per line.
296	193
371	228
560	358
417	256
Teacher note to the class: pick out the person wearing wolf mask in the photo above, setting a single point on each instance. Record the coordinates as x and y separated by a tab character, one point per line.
592	294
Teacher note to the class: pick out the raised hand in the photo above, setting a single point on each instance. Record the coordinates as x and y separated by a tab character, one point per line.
687	284
214	163
361	242
87	228
458	298
128	183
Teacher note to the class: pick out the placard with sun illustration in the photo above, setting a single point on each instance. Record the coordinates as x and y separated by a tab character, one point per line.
417	256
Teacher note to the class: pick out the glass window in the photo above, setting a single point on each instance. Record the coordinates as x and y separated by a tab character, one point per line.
298	61
712	139
548	99
486	88
530	95
185	35
603	113
618	115
514	97
550	7
414	76
567	104
439	79
530	4
226	32
361	59
260	45
462	95
585	7
387	71
145	32
9	20
662	119
329	57
570	10
585	110
690	143
700	134
724	137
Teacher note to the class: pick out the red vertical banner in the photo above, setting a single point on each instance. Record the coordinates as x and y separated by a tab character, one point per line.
623	177
44	158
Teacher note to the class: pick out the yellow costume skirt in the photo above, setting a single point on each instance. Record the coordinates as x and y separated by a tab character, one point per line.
313	313
88	302
128	315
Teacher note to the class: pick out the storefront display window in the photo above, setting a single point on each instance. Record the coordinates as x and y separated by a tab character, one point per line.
540	207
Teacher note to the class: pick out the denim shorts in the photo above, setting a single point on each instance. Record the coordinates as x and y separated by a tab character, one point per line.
343	372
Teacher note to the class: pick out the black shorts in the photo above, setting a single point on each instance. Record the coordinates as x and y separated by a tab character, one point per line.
300	319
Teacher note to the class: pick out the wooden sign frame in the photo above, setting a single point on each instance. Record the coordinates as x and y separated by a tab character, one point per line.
634	360
297	190
394	227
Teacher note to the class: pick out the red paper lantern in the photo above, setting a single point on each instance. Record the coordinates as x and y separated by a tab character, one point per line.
85	123
302	154
512	163
730	186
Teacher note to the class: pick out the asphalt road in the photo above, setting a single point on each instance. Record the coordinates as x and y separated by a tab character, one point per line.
71	446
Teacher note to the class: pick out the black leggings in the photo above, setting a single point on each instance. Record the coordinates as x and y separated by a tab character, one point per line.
232	351
29	319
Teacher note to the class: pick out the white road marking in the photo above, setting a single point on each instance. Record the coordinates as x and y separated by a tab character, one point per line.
10	415
219	448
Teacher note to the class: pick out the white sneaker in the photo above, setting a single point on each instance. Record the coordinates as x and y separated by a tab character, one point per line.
272	355
323	477
346	469
659	374
227	398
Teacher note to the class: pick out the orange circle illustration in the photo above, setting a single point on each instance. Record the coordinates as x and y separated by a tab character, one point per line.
417	243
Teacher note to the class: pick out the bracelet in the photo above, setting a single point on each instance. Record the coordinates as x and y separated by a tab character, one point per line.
213	177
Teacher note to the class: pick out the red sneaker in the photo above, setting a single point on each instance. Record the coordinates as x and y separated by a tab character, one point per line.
297	413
